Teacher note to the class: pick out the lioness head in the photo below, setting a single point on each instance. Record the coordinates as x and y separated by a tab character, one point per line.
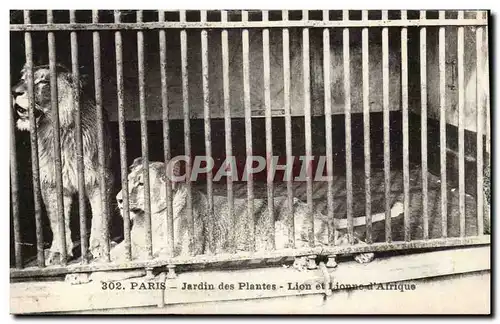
42	95
157	179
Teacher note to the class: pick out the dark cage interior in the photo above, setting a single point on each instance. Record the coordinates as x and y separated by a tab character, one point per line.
338	129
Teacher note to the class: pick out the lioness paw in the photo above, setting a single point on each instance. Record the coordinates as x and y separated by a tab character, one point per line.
52	257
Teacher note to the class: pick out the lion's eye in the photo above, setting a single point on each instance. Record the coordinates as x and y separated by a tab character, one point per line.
140	183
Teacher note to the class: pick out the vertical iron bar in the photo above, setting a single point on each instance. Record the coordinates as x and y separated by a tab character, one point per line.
461	146
423	122
488	127
144	138
288	131
122	138
248	123
479	126
488	119
348	140
442	126
269	126
79	142
57	140
34	143
404	99
307	124
328	125
100	135
14	191
387	128
187	126
227	124
206	110
166	136
366	127
488	108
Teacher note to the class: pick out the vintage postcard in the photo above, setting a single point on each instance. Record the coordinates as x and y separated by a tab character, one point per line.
250	162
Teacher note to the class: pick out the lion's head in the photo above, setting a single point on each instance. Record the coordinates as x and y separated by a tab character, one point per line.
157	179
42	96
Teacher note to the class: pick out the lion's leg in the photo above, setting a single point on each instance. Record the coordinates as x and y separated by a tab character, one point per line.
49	196
97	240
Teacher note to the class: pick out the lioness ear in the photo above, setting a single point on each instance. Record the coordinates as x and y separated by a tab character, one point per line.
135	164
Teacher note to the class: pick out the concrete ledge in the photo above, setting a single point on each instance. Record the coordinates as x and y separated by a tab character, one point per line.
36	297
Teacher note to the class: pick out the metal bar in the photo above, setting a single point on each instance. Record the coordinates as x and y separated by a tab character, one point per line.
442	126
79	142
348	140
269	126
100	136
122	139
461	146
249	24
288	130
479	127
206	110
243	256
144	138
366	126
328	125
227	126
307	125
488	120
248	122
187	127
488	107
166	136
387	129
423	123
56	132
14	191
404	99
34	144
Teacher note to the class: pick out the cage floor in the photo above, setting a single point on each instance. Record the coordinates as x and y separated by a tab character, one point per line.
378	202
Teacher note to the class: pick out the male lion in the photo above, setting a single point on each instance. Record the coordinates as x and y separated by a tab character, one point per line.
45	133
212	230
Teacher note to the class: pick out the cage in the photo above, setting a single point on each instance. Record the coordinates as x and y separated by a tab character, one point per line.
365	109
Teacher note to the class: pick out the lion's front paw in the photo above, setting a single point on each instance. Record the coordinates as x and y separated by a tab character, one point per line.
52	257
364	257
97	254
96	250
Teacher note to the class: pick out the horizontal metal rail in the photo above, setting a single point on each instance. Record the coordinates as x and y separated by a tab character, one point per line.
243	256
250	24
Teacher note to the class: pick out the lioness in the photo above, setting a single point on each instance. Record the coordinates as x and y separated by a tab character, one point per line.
212	231
45	133
157	178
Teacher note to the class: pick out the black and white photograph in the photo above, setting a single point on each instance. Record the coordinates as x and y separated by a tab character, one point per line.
247	162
